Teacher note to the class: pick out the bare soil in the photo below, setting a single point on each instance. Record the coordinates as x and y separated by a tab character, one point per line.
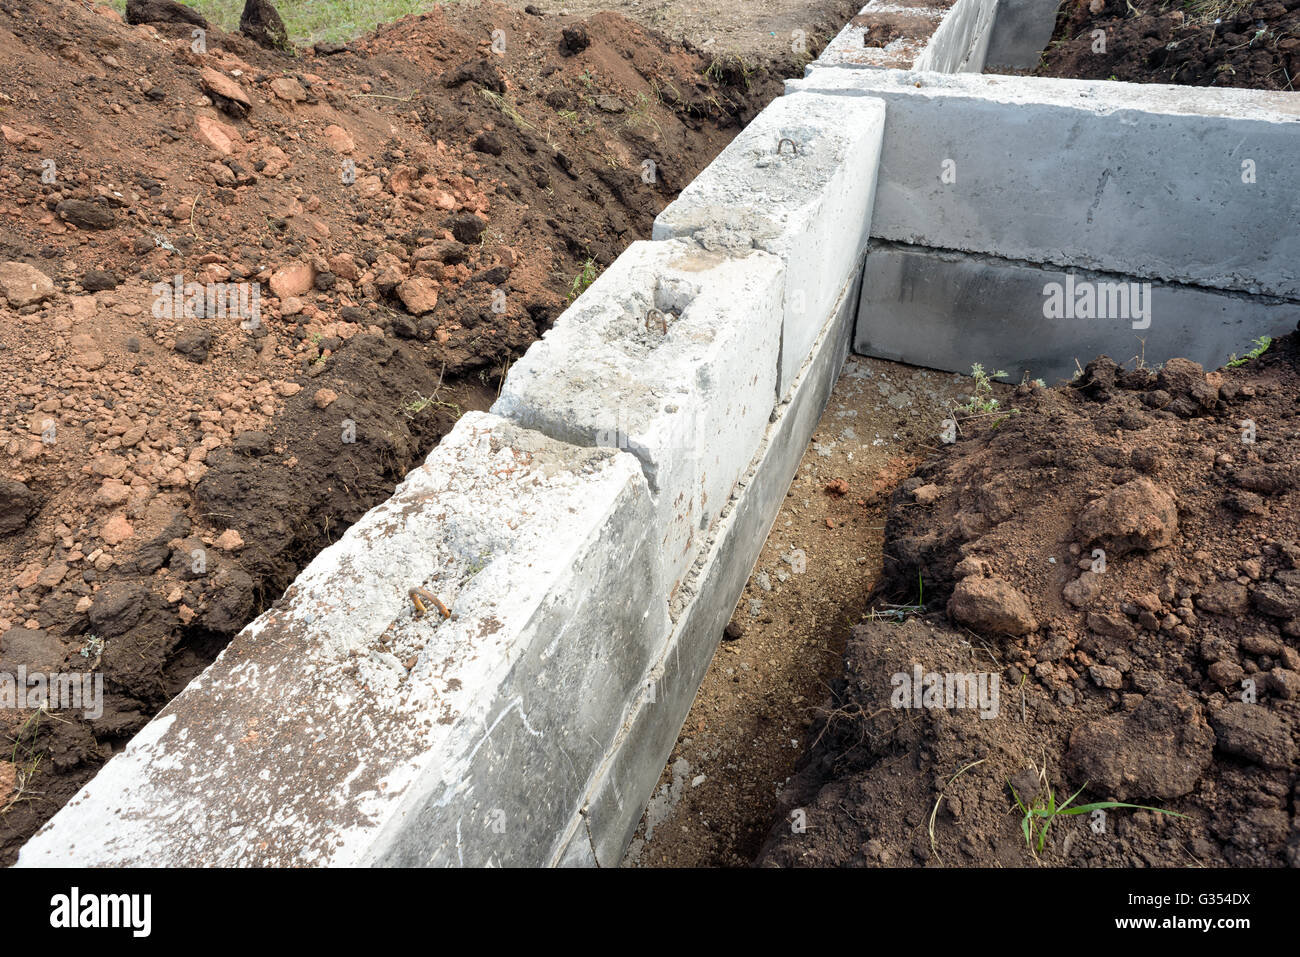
756	31
1123	552
1244	44
415	209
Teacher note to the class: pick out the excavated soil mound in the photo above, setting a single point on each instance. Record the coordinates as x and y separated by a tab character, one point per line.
1115	564
413	208
1251	44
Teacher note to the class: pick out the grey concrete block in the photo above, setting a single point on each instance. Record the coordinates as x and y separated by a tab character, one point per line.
1136	179
309	742
1021	32
807	201
949	310
709	596
691	403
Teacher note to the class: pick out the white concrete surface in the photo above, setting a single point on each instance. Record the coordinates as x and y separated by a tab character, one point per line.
705	602
687	389
309	741
798	183
961	42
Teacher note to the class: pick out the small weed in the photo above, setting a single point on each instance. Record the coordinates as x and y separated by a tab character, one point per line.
1047	811
585	277
92	650
1261	346
26	760
508	108
422	402
982	400
639	112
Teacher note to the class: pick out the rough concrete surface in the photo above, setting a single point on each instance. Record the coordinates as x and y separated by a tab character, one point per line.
710	594
341	728
645	360
797	183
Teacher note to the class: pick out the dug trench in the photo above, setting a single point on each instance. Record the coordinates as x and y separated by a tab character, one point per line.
415	206
1117	560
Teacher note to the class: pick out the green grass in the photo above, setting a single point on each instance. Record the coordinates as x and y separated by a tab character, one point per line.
309	21
584	279
1261	346
1047	810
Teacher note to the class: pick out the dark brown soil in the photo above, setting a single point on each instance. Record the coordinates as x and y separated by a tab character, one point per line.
1252	44
493	177
1164	672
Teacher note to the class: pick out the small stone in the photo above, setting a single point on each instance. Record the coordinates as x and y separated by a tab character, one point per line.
991	606
117	529
1105	676
419	295
221	137
84	214
293	279
1083	590
927	494
24	285
339	139
215	82
324	398
288	89
1226	674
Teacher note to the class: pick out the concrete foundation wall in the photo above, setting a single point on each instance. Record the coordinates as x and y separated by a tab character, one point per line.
789	185
343	728
1021	32
1165	183
645	360
962	40
949	310
704	604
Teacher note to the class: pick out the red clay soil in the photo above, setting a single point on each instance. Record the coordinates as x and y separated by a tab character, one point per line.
1123	554
1252	44
414	208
